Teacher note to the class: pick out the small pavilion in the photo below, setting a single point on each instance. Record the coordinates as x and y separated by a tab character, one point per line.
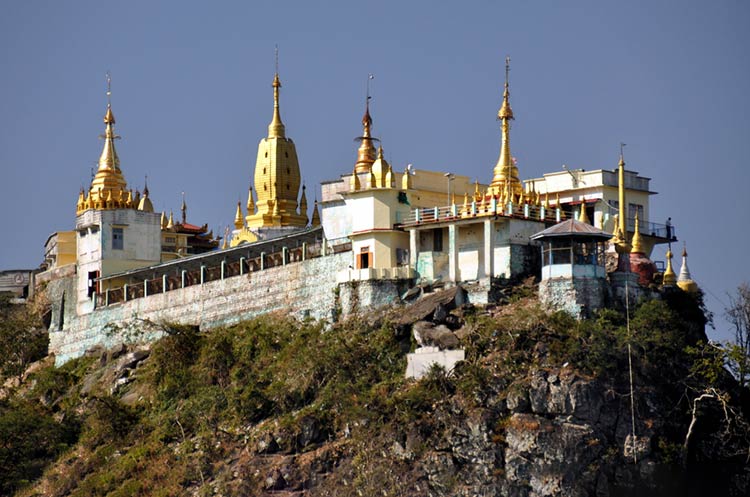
573	267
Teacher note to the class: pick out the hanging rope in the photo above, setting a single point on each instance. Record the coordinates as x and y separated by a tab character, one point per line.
630	366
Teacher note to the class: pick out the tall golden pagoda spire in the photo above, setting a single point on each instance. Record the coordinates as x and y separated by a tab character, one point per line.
277	179
669	278
276	128
108	183
250	202
366	153
583	217
621	233
238	216
637	247
315	215
505	175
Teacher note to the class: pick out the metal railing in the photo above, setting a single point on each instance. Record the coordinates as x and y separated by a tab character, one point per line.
653	229
426	215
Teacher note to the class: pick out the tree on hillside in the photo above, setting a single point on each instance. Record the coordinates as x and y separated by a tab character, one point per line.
738	314
23	339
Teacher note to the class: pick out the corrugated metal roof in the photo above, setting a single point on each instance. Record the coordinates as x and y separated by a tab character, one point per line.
572	228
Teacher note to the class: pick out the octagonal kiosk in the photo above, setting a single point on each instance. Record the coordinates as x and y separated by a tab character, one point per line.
574	278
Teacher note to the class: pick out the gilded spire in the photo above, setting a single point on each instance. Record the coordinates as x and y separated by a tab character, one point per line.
406	178
621	234
170	221
108	183
669	278
505	175
238	216
250	202
276	128
356	184
163	220
315	215
144	203
366	152
583	217
637	248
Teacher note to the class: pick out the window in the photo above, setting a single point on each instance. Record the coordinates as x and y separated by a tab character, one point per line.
437	240
117	238
170	239
632	209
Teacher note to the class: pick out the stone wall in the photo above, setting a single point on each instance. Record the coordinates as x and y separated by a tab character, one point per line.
303	289
579	297
359	296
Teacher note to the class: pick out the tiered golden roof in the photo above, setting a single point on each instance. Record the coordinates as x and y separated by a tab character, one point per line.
277	180
505	179
366	153
108	189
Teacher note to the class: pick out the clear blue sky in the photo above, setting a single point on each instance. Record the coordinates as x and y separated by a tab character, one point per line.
192	97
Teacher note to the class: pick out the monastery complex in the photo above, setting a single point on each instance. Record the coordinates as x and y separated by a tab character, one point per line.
376	234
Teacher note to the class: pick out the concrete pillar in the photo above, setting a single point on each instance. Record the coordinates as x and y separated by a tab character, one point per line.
242	266
542	213
183	276
416	215
203	273
125	292
489	247
323	249
526	211
106	297
262	261
304	251
453	252
284	255
473	207
145	288
413	249
557	214
223	269
493	205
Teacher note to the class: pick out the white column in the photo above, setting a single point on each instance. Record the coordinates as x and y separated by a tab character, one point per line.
453	252
489	248
413	249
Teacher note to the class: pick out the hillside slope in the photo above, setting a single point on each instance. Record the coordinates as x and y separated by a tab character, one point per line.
540	407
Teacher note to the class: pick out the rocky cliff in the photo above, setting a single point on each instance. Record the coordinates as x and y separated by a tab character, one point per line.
540	407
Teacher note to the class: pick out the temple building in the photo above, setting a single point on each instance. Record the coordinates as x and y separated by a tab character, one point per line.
381	230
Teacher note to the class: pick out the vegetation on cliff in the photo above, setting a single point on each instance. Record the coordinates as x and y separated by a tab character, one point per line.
540	406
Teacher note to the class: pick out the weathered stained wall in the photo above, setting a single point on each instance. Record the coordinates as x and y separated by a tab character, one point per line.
579	297
303	289
358	296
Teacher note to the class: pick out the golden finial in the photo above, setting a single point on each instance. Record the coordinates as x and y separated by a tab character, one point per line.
355	183
250	202
406	178
238	216
669	278
505	173
276	128
163	220
315	215
388	182
170	221
636	241
505	111
583	217
366	152
225	243
621	233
